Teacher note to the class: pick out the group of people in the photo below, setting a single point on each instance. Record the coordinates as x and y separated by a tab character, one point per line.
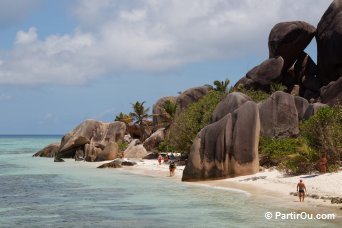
172	166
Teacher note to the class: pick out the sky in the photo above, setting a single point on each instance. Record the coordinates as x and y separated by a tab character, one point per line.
65	61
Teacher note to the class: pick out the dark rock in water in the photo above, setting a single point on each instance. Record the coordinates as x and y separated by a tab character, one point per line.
289	39
336	200
190	96
48	151
232	102
331	94
97	140
312	109
58	159
226	148
117	163
279	116
160	118
329	44
113	164
128	163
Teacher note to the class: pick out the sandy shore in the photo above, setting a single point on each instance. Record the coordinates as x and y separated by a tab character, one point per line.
269	183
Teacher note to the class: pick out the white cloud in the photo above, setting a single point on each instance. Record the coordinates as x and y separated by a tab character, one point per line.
26	37
150	35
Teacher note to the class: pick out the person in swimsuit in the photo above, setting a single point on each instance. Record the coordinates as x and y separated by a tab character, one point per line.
301	189
172	168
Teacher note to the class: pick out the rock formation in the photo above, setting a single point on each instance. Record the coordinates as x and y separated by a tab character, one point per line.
226	148
288	40
331	94
278	116
190	96
263	75
229	104
94	140
135	150
329	44
48	151
152	142
312	109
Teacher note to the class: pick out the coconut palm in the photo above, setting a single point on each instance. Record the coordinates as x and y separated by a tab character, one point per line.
221	86
127	119
169	111
140	115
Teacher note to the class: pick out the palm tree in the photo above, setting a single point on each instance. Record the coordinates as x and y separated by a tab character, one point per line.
169	108
127	119
139	115
221	86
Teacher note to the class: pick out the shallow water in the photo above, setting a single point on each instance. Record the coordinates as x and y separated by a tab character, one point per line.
36	192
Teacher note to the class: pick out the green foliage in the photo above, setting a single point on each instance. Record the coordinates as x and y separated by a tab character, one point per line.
164	147
293	155
221	86
140	113
255	95
122	145
277	87
169	111
123	118
324	132
188	123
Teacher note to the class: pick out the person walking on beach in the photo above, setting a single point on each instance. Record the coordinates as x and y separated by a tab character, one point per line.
172	168
300	189
160	158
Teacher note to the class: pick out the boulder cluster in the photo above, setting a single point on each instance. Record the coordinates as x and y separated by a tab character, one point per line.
228	147
289	65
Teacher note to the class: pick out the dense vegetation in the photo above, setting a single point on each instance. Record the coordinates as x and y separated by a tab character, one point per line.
320	135
188	123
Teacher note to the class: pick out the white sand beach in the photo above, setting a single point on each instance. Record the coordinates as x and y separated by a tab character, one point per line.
270	182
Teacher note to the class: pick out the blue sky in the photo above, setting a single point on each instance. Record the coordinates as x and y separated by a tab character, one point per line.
62	62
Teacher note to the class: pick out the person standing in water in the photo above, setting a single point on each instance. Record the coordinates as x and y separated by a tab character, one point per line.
301	189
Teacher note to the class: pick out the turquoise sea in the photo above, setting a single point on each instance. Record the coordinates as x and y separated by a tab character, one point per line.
36	192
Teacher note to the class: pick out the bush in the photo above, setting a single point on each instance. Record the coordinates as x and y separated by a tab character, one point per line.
255	95
164	147
122	145
324	132
189	122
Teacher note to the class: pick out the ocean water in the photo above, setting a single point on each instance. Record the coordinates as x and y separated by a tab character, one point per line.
36	192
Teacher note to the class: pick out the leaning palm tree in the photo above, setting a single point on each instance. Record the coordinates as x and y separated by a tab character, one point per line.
221	86
139	115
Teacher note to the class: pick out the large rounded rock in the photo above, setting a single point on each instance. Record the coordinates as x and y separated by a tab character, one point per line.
226	148
94	133
289	39
152	142
110	152
48	151
160	118
232	102
135	150
331	94
329	43
263	75
279	116
190	96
